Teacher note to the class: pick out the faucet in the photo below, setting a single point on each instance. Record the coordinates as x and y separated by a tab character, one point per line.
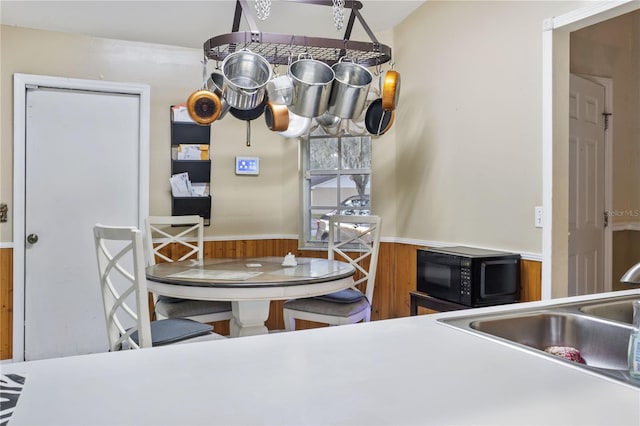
632	276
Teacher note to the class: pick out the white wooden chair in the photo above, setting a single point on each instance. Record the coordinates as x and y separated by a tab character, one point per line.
120	255
172	230
354	239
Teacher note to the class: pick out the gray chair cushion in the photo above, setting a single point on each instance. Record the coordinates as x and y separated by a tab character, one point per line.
167	331
319	306
347	295
176	308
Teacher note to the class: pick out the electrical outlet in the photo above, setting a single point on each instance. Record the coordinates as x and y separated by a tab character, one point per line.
538	217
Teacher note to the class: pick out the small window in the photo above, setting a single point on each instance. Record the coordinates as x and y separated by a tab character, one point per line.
337	180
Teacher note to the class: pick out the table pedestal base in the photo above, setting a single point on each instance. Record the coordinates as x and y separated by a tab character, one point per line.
249	317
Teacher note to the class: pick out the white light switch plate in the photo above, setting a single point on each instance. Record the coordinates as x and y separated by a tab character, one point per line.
538	217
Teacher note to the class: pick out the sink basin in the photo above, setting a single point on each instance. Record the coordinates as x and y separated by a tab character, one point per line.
600	330
621	311
602	344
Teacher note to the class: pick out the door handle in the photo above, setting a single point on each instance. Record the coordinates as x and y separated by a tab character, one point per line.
32	238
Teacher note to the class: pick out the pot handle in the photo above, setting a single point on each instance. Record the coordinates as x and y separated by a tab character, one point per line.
205	75
248	92
306	55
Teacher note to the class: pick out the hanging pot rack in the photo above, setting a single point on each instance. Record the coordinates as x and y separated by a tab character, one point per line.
280	48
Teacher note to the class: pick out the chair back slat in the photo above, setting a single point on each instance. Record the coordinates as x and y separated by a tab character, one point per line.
182	243
356	239
120	256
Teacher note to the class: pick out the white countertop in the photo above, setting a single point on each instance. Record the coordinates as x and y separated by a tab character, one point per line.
403	371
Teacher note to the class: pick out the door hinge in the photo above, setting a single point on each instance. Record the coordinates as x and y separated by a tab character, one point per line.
4	210
605	218
606	120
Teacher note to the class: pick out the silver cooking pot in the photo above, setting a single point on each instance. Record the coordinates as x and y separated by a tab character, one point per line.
246	75
349	89
312	81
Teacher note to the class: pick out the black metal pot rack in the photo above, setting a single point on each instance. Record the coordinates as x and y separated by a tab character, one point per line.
279	48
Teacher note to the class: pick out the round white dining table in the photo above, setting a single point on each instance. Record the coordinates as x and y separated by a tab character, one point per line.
249	284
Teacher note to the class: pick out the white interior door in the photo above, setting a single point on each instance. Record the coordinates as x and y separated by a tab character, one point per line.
586	187
82	166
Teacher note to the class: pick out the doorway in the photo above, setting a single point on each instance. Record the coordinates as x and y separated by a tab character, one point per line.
555	152
81	157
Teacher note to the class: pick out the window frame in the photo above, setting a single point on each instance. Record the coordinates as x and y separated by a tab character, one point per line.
307	240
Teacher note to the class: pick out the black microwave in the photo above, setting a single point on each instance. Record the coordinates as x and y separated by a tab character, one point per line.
469	276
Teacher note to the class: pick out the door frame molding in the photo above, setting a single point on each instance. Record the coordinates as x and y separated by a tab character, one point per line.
20	84
555	132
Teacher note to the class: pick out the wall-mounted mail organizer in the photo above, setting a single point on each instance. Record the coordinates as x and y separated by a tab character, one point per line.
190	154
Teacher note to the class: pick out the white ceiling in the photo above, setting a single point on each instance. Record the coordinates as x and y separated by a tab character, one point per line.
190	23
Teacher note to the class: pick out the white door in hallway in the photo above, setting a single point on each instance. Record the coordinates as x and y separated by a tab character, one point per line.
586	186
82	166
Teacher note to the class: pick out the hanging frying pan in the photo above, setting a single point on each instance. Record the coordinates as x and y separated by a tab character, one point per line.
377	120
276	117
248	115
390	90
204	107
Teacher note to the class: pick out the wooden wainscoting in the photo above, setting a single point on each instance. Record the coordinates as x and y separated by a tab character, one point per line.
396	277
6	303
530	281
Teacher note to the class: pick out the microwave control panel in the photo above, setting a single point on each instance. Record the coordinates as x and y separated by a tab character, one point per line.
465	281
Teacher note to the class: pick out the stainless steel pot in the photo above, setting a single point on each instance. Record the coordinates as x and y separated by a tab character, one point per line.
312	81
246	75
349	89
214	84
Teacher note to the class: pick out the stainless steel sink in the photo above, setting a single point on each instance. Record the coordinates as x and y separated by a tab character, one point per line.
621	310
601	343
600	330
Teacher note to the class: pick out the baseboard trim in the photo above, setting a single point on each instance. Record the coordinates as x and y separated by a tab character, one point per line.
525	255
411	241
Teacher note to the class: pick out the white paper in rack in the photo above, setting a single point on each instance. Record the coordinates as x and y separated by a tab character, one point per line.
180	185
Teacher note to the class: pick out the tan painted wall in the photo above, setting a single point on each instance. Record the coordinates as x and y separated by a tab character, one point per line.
242	205
173	73
469	128
462	163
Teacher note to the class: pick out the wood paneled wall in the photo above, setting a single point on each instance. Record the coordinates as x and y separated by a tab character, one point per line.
6	303
396	277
